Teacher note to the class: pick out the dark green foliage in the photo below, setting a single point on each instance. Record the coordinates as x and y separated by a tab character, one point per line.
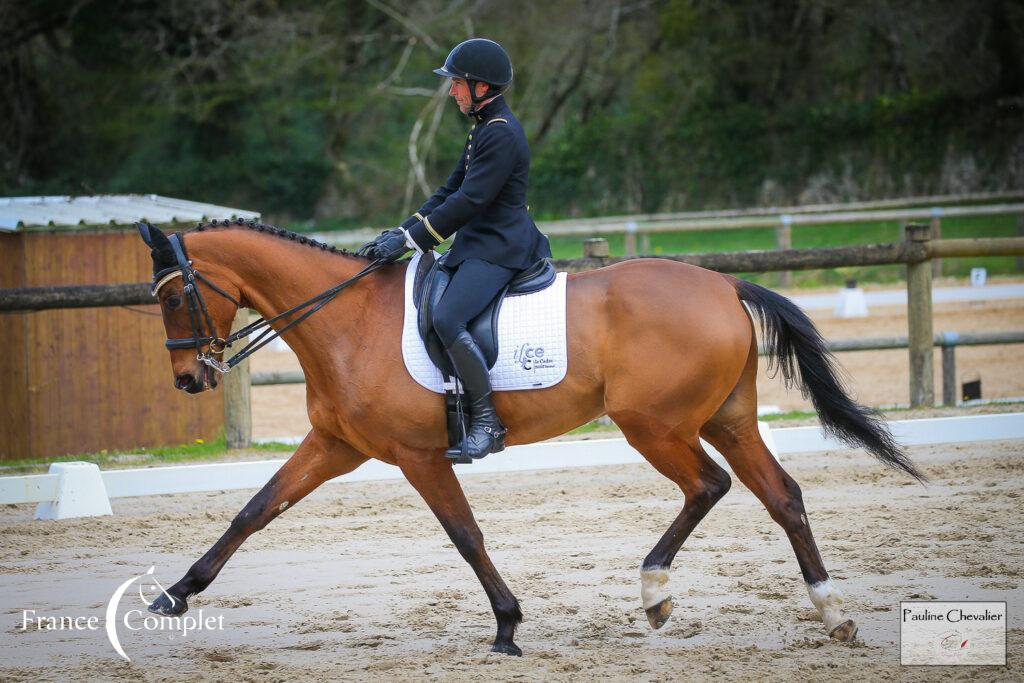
304	110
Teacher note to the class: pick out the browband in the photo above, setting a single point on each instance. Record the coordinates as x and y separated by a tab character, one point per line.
163	281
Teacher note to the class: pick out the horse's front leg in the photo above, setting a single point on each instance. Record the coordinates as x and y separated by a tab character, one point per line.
432	476
315	461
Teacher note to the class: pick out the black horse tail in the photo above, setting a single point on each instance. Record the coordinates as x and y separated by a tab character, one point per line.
791	341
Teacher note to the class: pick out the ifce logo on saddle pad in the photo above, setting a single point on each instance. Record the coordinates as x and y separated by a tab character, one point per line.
532	357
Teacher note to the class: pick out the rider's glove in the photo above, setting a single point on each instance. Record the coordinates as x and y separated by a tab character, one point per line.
367	249
390	246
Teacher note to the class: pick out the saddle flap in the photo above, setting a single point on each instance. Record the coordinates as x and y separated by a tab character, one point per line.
433	285
423	268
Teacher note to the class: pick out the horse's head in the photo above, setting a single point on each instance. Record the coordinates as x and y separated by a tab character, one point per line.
197	310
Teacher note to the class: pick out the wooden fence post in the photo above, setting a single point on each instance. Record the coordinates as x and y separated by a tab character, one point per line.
1020	233
596	247
919	319
630	242
950	392
237	393
936	234
784	240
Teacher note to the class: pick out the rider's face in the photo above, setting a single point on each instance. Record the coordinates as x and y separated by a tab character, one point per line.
459	90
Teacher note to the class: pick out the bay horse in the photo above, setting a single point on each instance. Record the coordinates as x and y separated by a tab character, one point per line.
667	350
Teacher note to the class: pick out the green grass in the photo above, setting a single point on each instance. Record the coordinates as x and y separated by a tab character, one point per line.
806	237
326	225
790	415
142	456
594	426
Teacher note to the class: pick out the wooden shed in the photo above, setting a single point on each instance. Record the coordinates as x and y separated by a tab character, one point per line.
88	379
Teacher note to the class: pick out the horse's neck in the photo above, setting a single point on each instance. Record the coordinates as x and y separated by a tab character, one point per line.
275	275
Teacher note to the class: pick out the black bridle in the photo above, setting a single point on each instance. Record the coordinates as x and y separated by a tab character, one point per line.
204	334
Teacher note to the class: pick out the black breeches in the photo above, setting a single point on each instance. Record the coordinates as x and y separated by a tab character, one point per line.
473	286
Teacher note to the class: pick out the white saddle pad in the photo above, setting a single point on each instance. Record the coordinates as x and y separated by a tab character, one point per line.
531	340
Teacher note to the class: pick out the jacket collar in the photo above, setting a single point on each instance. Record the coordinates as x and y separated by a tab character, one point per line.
493	108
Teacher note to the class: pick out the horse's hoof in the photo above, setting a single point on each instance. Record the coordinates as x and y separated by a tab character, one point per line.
508	648
167	606
660	613
845	632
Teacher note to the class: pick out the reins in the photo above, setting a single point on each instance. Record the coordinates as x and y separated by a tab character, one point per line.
199	316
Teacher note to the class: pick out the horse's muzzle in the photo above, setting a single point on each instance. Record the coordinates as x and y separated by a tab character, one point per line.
195	384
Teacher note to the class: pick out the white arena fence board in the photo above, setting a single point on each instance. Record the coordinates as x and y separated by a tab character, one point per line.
551	455
153	481
912	432
29	489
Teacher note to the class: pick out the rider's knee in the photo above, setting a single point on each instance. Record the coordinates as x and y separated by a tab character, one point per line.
447	327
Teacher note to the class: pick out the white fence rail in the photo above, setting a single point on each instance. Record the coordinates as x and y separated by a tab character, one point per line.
80	489
29	489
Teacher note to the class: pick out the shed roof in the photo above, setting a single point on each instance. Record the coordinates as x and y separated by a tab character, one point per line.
19	213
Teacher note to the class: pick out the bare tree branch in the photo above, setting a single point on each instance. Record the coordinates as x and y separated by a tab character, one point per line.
400	67
404	21
417	173
418	92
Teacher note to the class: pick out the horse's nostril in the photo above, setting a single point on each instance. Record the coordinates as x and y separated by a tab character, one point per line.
183	380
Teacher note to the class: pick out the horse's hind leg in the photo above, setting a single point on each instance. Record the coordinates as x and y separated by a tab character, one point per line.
315	461
702	482
733	431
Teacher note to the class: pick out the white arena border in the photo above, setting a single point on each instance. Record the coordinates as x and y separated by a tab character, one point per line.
81	489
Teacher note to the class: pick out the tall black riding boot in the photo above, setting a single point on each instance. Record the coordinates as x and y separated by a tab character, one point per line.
486	433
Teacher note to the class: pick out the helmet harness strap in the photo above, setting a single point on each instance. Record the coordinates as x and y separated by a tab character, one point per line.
480	100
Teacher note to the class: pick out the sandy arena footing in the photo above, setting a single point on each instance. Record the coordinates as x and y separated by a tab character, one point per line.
359	581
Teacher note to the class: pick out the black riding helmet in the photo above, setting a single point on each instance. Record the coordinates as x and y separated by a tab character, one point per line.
479	60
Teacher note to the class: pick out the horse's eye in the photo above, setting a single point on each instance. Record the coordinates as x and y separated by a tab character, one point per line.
173	301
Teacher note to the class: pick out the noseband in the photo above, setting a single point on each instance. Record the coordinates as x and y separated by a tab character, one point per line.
204	334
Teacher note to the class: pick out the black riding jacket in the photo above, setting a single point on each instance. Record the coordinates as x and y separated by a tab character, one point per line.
484	198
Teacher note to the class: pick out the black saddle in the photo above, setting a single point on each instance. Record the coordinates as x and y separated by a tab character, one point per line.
431	281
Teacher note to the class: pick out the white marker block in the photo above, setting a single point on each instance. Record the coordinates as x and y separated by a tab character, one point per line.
851	303
80	493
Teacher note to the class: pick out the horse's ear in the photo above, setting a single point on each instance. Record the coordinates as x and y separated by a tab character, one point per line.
151	235
160	247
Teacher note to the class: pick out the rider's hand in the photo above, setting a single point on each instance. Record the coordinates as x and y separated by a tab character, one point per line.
390	246
367	249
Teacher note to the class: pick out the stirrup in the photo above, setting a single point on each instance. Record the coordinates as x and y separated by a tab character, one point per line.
458	455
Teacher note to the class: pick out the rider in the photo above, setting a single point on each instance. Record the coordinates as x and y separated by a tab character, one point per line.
484	200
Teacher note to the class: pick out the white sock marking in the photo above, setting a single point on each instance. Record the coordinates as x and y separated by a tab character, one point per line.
828	599
654	586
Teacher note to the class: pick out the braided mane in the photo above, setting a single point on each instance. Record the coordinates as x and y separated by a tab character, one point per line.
252	224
